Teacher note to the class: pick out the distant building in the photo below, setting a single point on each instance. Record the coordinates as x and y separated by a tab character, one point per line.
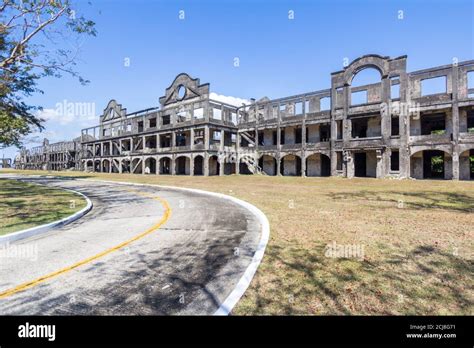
63	155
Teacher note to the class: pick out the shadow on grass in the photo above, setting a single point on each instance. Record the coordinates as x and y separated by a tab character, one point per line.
451	201
427	279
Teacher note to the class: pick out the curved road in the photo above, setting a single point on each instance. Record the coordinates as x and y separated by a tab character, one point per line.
183	254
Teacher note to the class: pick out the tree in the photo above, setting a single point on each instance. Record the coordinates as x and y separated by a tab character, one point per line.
32	33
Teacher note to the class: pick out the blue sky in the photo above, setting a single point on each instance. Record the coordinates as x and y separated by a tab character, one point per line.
278	56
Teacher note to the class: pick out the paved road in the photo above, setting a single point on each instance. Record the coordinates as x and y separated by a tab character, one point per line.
189	265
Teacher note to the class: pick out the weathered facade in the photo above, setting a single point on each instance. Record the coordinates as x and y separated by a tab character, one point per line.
57	156
397	129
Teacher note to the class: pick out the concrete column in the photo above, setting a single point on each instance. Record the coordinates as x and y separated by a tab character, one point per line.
173	165
191	136
173	140
206	164
350	170
191	166
221	145
455	163
221	166
303	164
206	138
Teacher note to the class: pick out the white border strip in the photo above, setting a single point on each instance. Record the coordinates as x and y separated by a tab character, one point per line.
244	282
34	231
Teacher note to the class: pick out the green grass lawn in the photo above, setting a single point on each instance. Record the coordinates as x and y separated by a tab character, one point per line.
417	238
24	205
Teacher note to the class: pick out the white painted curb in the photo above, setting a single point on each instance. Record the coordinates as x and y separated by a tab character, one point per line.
244	282
34	231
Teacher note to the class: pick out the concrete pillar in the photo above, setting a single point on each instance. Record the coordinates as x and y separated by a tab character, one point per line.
350	169
221	145
455	164
206	164
191	166
191	136
303	164
173	165
206	138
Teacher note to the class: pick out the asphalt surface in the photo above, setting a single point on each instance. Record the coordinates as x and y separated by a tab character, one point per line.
189	265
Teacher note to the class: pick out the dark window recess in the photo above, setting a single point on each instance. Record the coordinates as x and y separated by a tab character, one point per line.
165	141
359	128
298	135
180	139
339	129
152	122
275	137
166	119
324	132
470	120
261	139
282	137
339	160
395	161
395	126
140	126
433	124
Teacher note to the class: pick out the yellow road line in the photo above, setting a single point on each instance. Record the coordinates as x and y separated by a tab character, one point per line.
39	280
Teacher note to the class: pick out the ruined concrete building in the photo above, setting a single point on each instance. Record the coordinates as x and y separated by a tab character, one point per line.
395	127
58	156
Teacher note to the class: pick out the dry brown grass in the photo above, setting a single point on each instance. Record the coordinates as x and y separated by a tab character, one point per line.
417	238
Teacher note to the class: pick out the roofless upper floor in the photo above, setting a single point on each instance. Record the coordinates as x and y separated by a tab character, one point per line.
187	102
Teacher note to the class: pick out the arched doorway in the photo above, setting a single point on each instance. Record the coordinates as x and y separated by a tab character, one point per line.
105	166
214	165
182	165
150	165
268	164
198	165
431	164
318	164
165	165
290	165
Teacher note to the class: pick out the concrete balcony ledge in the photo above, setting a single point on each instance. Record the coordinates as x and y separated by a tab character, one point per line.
466	136
163	149
182	148
320	145
291	147
268	147
364	108
430	138
362	142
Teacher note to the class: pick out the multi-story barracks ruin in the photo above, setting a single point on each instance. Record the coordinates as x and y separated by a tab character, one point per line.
396	127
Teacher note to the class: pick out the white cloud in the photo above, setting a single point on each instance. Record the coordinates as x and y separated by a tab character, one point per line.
228	99
66	113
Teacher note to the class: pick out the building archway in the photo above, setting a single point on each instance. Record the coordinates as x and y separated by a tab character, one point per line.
182	165
290	165
268	164
150	165
165	165
318	164
105	166
198	165
214	165
431	164
125	166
